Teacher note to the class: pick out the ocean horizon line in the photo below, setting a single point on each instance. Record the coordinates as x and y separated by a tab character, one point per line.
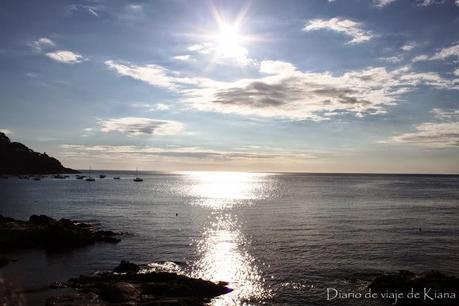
275	172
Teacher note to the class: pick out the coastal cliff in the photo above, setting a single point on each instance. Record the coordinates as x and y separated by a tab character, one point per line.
16	158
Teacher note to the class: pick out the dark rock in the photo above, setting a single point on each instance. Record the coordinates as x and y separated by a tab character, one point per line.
77	299
126	267
120	292
405	281
41	220
56	285
46	232
4	261
10	295
150	288
16	158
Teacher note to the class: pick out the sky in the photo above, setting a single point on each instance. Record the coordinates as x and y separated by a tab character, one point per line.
176	85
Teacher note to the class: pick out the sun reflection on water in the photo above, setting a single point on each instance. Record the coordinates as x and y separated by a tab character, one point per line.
223	248
225	189
224	258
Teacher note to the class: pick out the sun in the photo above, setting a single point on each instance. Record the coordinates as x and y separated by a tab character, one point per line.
229	42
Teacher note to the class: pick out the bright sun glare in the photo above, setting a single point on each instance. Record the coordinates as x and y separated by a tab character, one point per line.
229	41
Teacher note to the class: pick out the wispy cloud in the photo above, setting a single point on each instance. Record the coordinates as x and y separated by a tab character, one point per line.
446	113
345	26
442	54
182	152
185	57
382	3
160	107
420	58
204	48
424	3
435	135
135	7
136	126
152	74
90	9
286	92
443	133
65	56
42	43
429	2
152	107
408	46
449	52
391	59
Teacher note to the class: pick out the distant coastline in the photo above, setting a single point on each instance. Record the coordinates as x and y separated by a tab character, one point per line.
16	158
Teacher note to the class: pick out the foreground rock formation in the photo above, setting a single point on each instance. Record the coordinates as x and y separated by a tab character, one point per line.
433	288
45	232
16	158
128	286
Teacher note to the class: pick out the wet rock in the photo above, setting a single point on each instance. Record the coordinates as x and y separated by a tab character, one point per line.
144	288
49	233
126	267
434	287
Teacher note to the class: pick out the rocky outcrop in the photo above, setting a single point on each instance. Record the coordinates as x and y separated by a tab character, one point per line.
139	288
433	288
126	267
16	158
45	232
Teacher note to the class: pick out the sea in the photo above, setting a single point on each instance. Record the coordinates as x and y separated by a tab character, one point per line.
276	238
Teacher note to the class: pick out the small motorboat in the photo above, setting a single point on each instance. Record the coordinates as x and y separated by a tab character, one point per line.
90	178
137	178
102	175
116	177
80	177
60	176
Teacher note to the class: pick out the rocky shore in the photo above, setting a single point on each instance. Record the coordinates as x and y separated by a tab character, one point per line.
51	234
129	284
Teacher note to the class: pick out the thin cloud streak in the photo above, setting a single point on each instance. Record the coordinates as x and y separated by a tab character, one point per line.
137	126
180	152
347	27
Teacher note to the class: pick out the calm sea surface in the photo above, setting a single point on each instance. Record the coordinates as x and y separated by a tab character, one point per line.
278	239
